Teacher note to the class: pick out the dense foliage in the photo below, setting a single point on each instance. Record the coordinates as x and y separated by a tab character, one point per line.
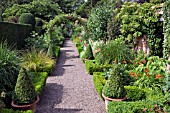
166	16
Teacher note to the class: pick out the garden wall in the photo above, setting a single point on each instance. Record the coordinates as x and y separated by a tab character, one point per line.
14	34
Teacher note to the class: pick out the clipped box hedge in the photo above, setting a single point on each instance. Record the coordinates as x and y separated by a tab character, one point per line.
92	67
146	106
12	111
39	80
99	82
14	34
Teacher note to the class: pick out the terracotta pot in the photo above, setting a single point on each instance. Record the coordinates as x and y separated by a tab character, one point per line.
26	107
107	99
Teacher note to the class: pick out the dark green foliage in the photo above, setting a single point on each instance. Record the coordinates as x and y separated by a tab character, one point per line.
91	67
166	15
88	53
39	81
13	111
27	18
39	22
84	9
114	87
24	90
9	67
42	9
99	82
14	37
97	23
69	6
134	93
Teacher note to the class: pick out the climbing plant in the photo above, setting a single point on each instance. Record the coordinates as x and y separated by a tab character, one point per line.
138	20
166	16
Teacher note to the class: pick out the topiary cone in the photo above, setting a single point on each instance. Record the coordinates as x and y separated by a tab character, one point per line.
24	90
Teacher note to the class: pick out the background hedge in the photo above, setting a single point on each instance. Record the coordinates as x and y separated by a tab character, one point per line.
14	33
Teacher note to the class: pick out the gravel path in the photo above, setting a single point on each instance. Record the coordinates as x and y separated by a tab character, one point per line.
69	89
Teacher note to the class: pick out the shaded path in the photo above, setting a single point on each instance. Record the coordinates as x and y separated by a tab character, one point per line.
70	89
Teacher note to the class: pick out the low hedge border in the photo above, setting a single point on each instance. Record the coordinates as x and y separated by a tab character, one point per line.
99	82
147	106
57	52
92	67
39	80
17	111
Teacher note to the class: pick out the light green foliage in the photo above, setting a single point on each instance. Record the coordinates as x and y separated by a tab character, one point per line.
138	20
113	51
9	63
114	87
37	61
134	93
99	82
166	16
27	18
91	67
13	111
39	81
24	90
138	107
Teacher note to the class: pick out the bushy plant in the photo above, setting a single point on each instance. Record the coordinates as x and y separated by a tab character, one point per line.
37	61
13	111
114	87
134	93
9	63
99	82
97	23
166	16
24	90
149	72
27	18
88	53
113	51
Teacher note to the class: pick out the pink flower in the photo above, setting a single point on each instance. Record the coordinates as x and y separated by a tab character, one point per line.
85	45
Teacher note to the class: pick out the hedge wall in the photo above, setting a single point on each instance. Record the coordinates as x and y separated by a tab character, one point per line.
14	33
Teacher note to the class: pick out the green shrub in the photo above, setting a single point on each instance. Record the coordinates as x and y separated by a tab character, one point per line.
99	82
97	22
39	81
138	107
10	65
17	111
114	87
134	93
24	90
91	67
114	51
166	26
37	61
27	18
57	51
14	37
79	49
88	53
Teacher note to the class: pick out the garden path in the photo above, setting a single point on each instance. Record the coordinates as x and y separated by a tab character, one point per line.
69	89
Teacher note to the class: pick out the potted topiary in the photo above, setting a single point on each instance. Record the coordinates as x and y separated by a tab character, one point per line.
114	88
25	96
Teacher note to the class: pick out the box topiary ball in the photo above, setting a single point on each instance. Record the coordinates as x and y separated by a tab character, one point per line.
27	18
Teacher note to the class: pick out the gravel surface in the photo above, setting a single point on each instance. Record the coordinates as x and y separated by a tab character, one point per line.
69	89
